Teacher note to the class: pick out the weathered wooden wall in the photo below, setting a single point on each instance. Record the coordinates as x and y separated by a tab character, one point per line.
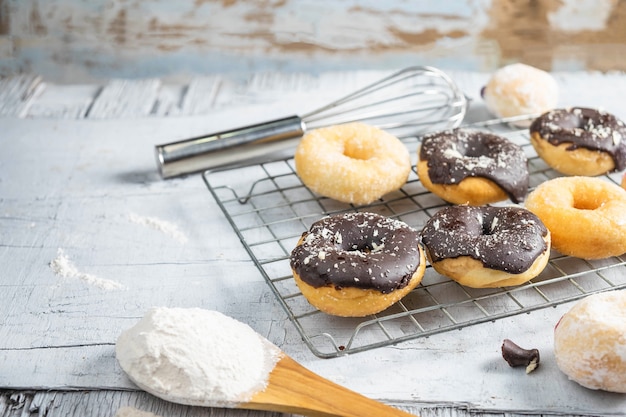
70	40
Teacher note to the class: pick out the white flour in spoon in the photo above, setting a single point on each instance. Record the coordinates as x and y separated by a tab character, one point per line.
196	357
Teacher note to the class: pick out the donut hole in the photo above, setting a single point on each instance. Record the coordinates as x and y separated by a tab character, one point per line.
471	151
489	225
573	121
580	122
583	202
488	229
356	148
365	246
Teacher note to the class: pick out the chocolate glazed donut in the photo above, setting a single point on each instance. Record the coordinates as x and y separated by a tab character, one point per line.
487	246
356	264
465	166
580	141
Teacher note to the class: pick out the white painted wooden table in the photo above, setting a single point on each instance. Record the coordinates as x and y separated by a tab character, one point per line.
77	175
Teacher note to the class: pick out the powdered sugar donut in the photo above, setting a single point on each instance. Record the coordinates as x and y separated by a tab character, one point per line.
519	89
590	342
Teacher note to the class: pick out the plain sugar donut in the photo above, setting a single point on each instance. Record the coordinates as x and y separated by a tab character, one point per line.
586	216
353	163
590	342
355	264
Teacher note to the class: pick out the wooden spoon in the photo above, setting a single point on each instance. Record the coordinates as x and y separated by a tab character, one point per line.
294	389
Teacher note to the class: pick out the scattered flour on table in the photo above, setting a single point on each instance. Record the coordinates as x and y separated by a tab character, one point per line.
196	357
64	267
163	226
133	412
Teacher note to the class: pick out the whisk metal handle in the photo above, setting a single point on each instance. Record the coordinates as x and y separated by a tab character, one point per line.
218	149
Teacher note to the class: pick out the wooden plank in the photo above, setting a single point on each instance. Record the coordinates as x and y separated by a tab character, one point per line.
195	98
96	403
200	95
140	404
131	38
168	101
125	99
17	93
63	101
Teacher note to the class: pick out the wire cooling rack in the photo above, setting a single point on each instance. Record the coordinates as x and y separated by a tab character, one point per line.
269	208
